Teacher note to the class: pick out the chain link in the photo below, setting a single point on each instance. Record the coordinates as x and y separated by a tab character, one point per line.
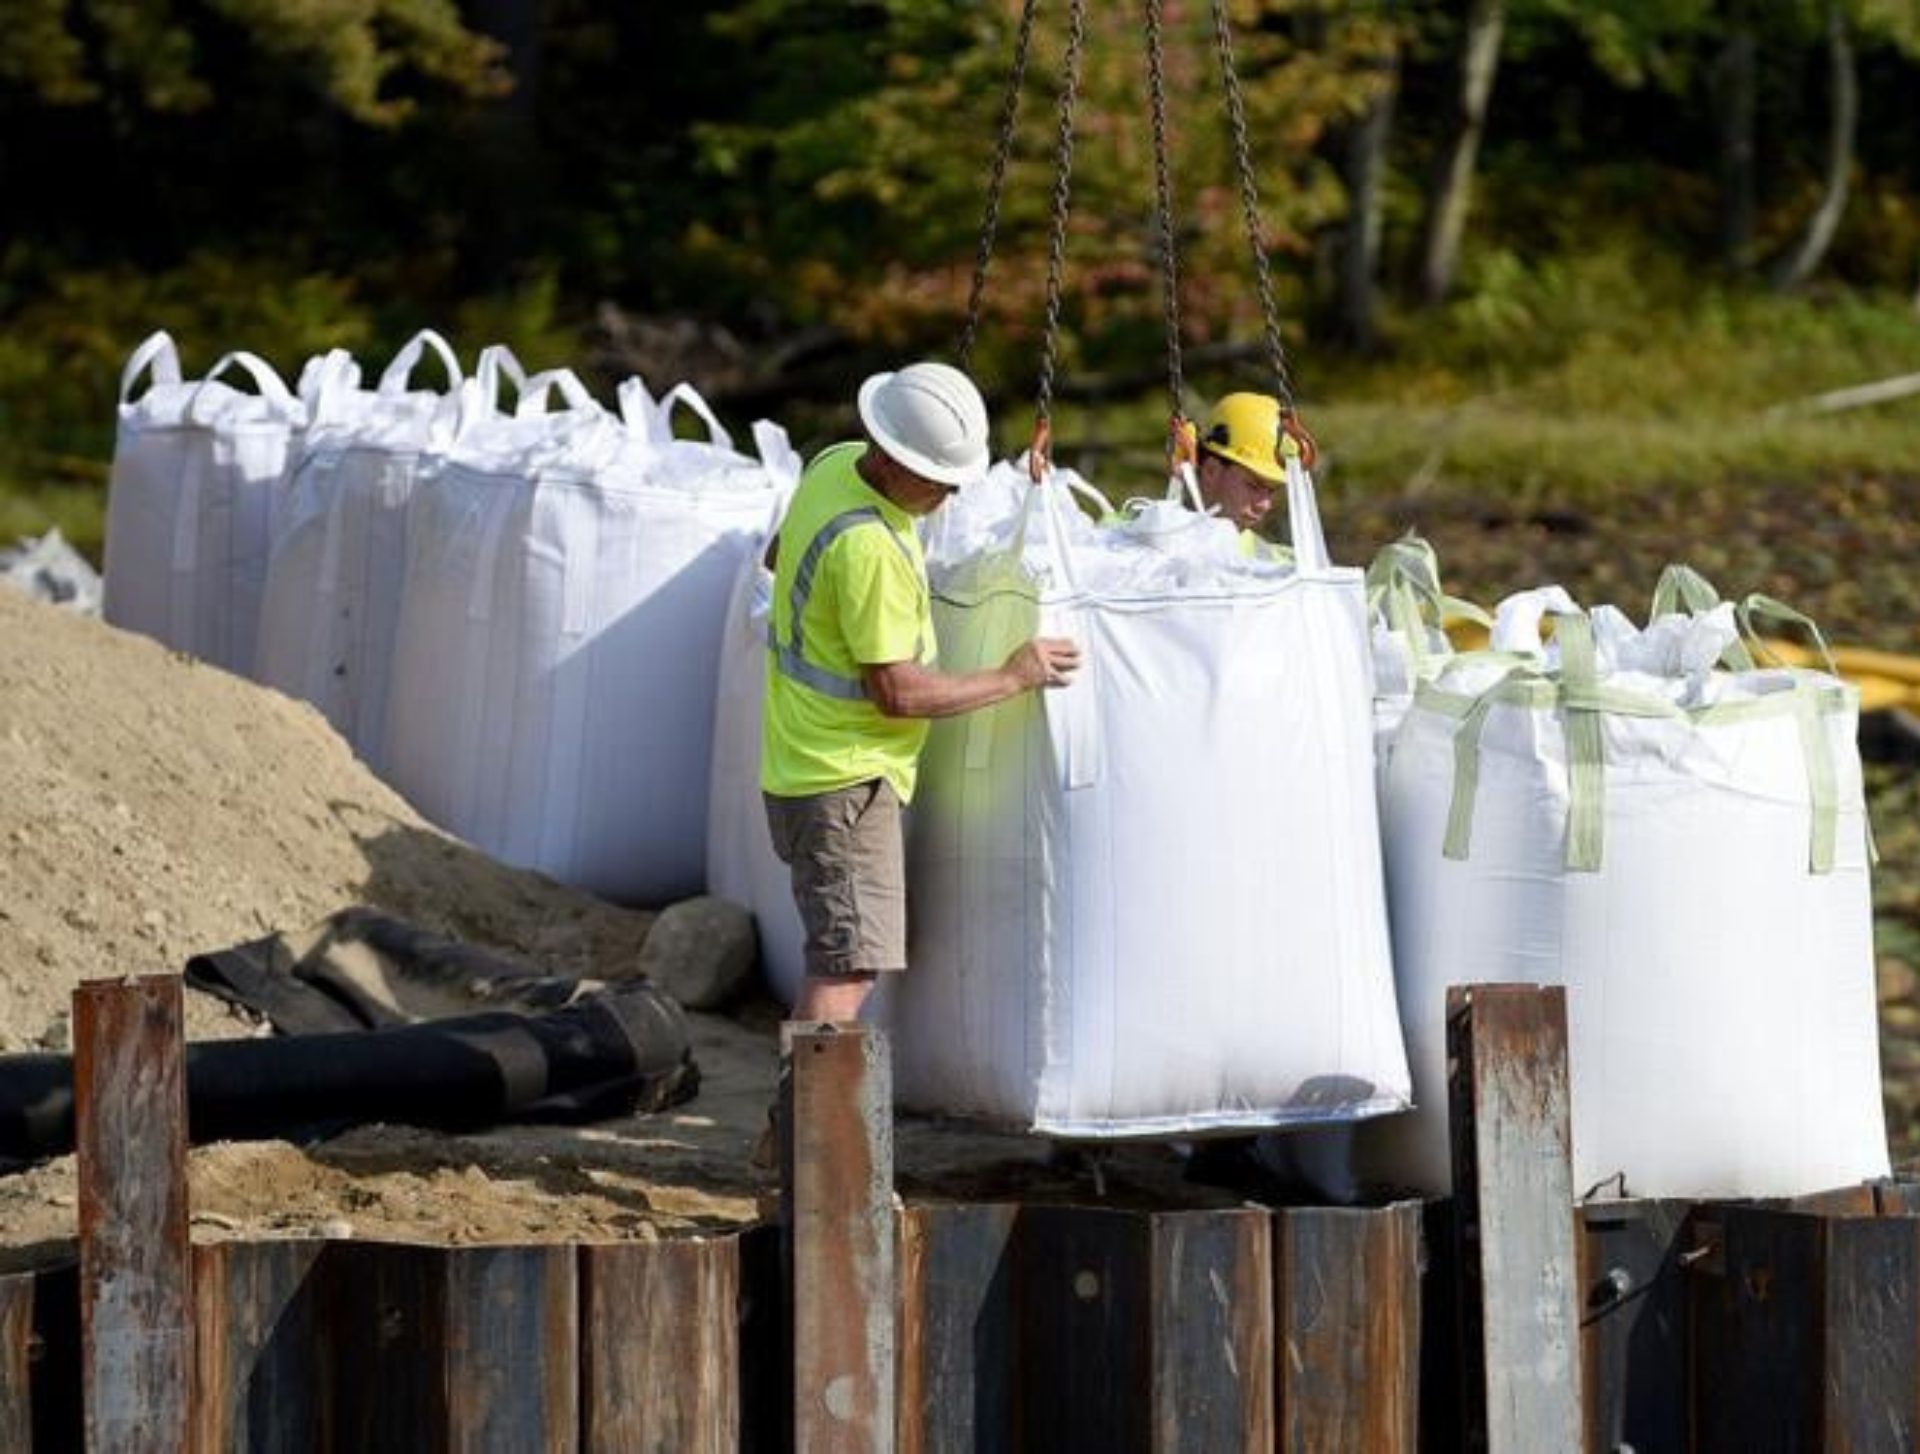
1169	261
1062	197
990	223
1250	205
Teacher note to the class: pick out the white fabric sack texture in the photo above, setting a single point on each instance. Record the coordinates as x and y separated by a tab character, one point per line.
741	863
1678	836
557	652
1149	903
194	500
332	601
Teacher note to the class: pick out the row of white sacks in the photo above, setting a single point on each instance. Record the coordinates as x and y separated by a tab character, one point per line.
514	618
1152	903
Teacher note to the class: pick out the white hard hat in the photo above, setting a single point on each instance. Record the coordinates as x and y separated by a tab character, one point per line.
930	418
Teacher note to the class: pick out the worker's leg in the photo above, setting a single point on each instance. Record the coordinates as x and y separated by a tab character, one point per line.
848	859
838	998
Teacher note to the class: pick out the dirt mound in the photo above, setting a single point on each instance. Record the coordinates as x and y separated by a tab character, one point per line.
152	806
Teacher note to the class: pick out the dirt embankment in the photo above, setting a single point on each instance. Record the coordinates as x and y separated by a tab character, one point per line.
152	807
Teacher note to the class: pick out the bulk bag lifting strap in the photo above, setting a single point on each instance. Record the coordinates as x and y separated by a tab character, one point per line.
1584	700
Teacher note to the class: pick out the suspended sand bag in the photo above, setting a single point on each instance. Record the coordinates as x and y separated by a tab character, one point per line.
559	638
332	601
1683	846
193	503
1149	903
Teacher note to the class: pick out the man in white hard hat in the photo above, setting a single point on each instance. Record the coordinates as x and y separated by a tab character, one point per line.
850	680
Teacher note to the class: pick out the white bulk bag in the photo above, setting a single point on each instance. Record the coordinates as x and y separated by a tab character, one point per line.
1150	903
192	504
741	863
1685	849
558	649
332	599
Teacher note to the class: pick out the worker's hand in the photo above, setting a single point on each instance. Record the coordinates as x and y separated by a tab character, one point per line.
1045	661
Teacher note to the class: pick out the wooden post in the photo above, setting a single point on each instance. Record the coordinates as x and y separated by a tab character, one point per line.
841	1225
1212	1311
1141	1331
1807	1332
660	1346
511	1363
259	1347
1512	1182
1633	1342
136	1276
1348	1328
1083	1381
957	1329
386	1332
16	1361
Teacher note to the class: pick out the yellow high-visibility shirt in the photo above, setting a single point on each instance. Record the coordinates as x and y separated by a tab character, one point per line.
853	565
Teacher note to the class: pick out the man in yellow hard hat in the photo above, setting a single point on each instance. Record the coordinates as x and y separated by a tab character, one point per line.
1241	454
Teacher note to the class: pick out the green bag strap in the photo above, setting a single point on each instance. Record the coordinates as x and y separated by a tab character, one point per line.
1822	792
1584	703
1682	590
1403	587
1519	684
1766	608
1813	705
1586	742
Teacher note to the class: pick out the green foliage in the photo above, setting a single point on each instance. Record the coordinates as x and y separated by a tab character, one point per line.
358	54
62	351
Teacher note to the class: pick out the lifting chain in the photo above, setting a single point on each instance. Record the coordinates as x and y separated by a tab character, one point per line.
1040	455
1250	206
996	183
1181	432
1180	444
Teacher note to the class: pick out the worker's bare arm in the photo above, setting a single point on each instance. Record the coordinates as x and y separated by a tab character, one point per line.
908	689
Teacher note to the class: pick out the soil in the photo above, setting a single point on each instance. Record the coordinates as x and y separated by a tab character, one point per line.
152	807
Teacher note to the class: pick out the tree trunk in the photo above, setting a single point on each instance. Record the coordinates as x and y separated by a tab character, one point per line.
1735	87
1453	179
1363	169
1843	124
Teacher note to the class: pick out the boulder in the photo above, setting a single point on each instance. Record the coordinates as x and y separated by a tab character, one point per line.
701	951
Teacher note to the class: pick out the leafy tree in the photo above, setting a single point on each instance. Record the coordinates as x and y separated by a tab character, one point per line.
152	56
870	139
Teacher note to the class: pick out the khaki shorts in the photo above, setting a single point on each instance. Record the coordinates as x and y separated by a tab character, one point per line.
849	876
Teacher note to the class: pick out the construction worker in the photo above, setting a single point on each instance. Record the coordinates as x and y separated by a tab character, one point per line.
1239	468
850	680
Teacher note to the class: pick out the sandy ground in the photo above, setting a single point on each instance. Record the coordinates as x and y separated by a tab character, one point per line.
152	807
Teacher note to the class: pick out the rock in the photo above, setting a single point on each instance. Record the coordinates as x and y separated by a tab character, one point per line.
701	951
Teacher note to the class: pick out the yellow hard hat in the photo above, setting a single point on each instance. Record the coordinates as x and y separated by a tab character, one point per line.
1243	431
